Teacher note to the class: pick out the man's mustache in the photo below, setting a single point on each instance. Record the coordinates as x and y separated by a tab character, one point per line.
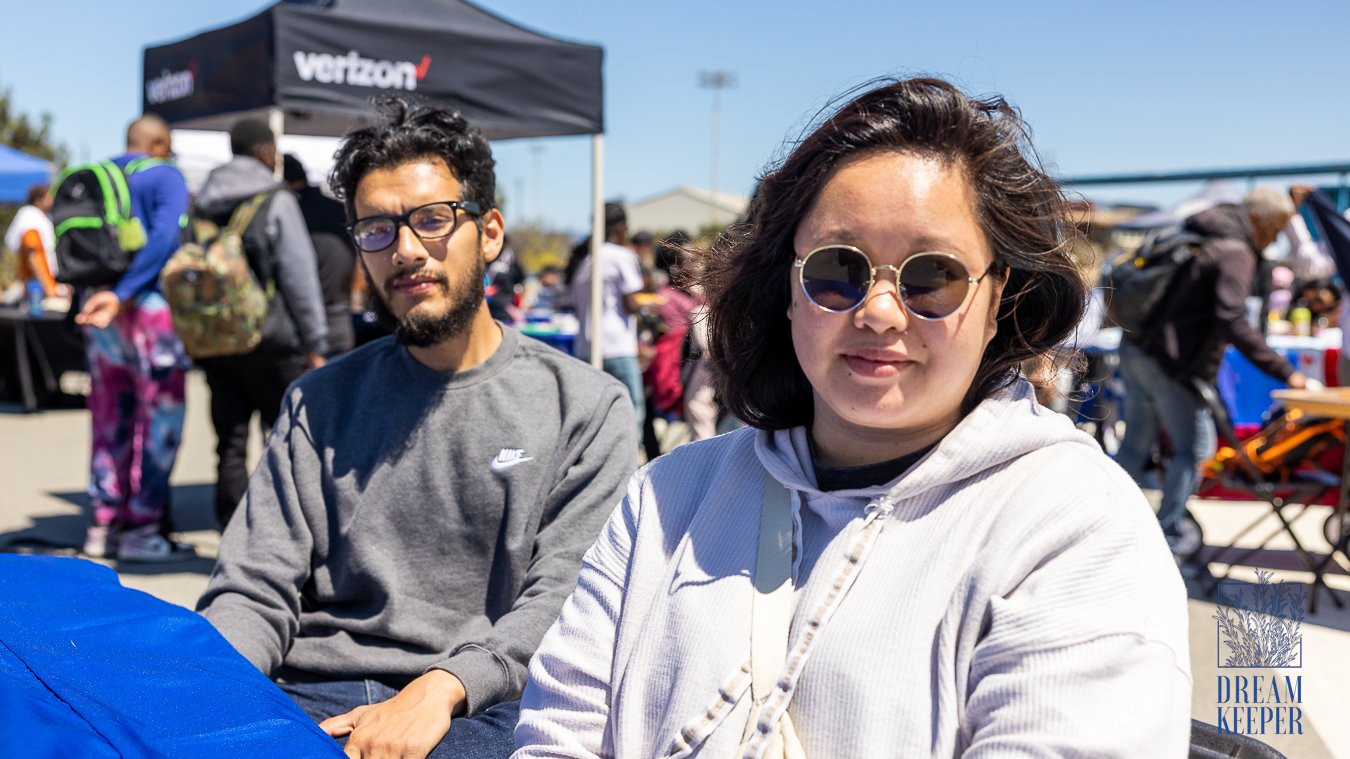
421	273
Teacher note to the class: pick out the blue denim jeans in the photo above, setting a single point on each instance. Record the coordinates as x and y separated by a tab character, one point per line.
1154	400
486	735
625	369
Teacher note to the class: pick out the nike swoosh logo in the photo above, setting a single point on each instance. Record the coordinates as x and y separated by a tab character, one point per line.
498	466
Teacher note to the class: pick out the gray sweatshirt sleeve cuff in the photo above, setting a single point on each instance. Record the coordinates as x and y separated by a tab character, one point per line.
485	675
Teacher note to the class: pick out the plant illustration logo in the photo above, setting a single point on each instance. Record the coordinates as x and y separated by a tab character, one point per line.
1260	628
1260	625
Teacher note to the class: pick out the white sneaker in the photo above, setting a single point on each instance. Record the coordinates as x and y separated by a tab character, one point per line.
99	541
145	544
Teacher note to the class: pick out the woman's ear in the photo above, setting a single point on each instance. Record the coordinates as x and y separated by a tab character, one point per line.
999	282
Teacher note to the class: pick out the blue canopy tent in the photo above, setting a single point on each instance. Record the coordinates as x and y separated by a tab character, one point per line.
20	171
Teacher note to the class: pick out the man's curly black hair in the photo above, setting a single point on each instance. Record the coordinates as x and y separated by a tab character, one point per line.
408	132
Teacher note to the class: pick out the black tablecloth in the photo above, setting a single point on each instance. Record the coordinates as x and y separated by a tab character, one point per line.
52	336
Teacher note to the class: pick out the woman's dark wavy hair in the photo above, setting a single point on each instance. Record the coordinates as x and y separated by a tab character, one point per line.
1023	214
408	131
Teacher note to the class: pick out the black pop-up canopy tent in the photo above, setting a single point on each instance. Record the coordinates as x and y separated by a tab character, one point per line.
321	65
312	68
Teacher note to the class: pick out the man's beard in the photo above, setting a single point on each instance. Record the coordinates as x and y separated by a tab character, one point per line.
422	331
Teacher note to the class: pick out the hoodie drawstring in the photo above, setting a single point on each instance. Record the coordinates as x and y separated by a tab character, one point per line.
777	703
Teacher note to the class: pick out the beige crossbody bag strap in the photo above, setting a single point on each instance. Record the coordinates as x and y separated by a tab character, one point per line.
771	617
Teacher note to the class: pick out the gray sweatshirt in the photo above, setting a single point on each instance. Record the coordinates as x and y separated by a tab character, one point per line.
297	272
404	519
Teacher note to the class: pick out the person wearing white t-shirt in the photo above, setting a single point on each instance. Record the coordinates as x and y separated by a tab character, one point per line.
622	281
32	239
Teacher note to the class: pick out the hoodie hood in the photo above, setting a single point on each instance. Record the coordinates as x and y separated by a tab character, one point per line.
1226	221
231	184
1007	425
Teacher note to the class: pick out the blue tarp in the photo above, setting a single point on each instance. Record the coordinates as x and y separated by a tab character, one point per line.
91	669
18	172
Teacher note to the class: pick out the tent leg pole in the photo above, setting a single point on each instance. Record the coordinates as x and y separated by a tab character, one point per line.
276	120
597	244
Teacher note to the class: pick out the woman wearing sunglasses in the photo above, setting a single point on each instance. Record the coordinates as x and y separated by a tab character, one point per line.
904	555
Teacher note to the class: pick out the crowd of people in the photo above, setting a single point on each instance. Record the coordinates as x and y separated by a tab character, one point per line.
137	365
650	330
448	547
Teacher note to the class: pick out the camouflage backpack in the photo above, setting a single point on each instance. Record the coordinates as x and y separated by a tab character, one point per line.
217	304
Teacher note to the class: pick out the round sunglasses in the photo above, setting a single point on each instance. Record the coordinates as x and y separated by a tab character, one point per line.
429	222
932	285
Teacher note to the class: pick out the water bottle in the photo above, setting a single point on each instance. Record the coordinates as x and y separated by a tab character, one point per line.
35	295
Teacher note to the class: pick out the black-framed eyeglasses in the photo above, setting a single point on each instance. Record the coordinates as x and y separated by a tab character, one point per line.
429	222
933	285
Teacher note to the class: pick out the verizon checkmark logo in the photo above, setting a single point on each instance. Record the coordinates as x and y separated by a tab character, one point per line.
359	71
509	457
171	85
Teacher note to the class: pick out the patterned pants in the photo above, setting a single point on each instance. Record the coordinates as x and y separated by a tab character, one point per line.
137	369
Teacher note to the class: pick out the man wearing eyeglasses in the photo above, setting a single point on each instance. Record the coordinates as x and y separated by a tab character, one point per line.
295	333
422	508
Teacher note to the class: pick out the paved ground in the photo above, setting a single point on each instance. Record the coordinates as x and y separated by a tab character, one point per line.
43	470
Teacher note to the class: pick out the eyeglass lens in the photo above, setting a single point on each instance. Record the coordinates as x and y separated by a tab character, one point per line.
932	285
428	222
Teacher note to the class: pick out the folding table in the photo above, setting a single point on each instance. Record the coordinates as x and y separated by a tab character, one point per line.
28	349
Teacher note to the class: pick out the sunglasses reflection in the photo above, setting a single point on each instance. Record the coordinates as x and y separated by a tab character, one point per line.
931	285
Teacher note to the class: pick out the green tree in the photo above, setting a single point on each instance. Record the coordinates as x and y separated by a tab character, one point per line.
538	246
18	131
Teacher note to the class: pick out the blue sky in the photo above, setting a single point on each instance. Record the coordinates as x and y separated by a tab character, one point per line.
1107	87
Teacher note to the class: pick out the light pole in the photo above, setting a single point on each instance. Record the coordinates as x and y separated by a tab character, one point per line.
715	81
537	150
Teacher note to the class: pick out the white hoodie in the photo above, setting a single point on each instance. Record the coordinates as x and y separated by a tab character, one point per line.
1019	601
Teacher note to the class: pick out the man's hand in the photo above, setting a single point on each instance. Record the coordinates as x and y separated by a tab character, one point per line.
1300	381
408	725
99	310
314	361
1300	192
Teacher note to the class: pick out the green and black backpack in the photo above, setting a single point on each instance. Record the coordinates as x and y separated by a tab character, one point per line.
96	234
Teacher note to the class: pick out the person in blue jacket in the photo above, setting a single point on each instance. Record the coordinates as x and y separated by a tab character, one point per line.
137	367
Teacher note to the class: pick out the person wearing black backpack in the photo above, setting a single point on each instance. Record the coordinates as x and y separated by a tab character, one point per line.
137	366
333	252
1203	311
295	333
